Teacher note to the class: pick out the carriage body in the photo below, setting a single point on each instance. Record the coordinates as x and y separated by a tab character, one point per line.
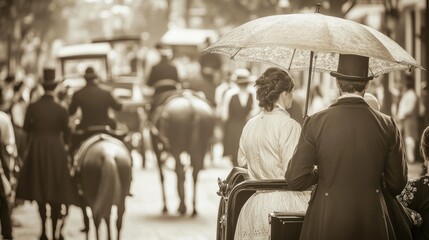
235	190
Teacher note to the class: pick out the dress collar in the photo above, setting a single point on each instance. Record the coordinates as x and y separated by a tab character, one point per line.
281	108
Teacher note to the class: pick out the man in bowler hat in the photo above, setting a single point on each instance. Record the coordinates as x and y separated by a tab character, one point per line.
354	154
94	102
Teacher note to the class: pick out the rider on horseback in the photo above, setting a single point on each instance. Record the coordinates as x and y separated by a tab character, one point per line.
94	102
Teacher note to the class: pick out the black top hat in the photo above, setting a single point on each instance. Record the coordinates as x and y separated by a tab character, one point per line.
49	77
352	67
90	74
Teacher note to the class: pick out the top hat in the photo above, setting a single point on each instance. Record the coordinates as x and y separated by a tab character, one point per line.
352	67
241	76
49	77
90	74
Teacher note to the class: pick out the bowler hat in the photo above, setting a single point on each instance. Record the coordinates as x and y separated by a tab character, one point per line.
90	74
352	67
49	77
241	76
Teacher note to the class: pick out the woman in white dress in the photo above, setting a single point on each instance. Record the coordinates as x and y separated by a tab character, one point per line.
267	144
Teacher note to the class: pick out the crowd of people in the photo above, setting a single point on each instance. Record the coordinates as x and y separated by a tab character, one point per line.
355	155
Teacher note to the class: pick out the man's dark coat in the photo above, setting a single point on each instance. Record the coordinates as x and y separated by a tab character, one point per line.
94	102
353	147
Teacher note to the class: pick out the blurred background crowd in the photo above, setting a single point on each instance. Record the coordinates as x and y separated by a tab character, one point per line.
32	33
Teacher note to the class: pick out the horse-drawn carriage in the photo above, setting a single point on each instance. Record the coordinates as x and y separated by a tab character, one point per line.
236	189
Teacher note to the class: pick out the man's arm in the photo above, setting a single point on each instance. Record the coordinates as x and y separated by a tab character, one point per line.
301	174
73	105
396	170
115	104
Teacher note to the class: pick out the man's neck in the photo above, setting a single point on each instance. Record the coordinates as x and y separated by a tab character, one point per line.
355	94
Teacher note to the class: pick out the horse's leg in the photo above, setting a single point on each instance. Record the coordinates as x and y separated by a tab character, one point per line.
197	161
63	221
180	183
121	210
42	212
97	221
155	143
107	220
55	215
85	229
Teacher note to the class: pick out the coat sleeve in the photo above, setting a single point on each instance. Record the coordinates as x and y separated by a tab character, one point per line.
28	120
395	170
115	104
73	105
300	174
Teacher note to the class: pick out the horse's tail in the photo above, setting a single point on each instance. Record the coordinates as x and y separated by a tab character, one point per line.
109	186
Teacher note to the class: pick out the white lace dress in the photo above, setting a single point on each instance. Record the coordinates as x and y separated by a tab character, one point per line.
267	144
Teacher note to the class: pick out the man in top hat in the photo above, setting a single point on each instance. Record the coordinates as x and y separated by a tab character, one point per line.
354	154
45	177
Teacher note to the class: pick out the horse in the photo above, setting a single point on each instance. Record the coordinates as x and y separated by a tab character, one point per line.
103	171
184	123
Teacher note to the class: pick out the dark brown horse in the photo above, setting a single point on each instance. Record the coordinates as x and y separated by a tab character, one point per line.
184	124
104	173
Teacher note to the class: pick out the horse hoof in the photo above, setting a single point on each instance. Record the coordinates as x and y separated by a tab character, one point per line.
182	210
165	210
194	213
43	237
61	237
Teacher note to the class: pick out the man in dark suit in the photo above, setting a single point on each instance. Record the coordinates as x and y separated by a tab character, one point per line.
95	102
351	152
163	70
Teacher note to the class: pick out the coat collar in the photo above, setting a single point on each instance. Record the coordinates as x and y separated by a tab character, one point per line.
349	100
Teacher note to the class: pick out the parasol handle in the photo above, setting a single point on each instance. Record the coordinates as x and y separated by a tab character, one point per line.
308	85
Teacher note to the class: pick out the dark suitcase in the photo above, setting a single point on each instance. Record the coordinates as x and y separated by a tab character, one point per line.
286	225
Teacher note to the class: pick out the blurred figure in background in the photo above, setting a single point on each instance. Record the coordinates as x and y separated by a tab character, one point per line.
8	154
210	64
408	117
317	102
372	101
45	176
416	193
237	109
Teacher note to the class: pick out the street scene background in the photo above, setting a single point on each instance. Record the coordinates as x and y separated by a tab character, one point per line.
36	34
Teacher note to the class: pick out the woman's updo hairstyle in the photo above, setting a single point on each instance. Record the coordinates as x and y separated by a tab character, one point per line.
270	85
424	149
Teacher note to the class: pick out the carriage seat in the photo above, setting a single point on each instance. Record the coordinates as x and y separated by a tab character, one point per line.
234	192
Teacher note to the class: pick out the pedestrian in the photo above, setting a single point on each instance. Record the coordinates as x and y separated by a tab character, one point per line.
45	176
8	153
267	144
372	101
416	194
317	103
210	63
238	108
164	69
350	151
407	115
